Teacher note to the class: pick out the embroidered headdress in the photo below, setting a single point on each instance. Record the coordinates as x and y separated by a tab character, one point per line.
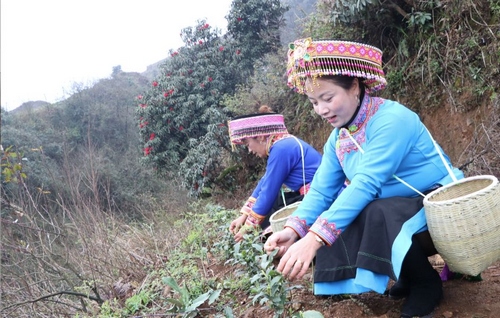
254	125
308	58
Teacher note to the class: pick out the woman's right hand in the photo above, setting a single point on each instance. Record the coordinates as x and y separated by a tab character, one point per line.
281	240
237	224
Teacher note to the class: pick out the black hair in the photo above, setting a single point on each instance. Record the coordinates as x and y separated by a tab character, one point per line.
346	82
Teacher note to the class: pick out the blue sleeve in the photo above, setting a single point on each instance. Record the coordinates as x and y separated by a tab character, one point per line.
279	164
327	182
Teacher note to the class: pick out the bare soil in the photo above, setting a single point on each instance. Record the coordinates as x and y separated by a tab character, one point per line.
463	298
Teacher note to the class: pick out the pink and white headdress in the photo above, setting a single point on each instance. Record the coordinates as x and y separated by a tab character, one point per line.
254	125
308	58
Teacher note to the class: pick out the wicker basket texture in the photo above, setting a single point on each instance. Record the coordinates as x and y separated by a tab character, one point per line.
278	218
464	222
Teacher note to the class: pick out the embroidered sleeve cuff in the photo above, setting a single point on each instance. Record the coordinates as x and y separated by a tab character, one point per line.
327	231
298	225
254	219
247	207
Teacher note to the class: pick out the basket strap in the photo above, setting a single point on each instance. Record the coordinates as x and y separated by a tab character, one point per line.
395	176
303	164
452	175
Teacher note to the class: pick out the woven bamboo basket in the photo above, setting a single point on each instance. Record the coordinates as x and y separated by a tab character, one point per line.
278	218
464	222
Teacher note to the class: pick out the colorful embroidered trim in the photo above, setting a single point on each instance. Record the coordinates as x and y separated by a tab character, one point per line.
274	139
327	231
304	189
299	226
357	129
248	206
254	125
254	219
308	58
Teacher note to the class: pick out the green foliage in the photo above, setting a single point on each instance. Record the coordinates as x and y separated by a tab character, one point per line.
108	310
255	27
12	167
185	304
419	18
348	11
269	286
137	302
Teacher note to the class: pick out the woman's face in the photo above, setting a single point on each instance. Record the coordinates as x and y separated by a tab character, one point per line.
256	146
332	102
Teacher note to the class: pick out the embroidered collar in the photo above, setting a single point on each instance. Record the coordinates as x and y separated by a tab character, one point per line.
361	116
273	139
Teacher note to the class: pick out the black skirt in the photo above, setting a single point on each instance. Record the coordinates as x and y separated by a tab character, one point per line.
367	242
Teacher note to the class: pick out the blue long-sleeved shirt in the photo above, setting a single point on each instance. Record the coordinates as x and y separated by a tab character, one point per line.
284	168
393	141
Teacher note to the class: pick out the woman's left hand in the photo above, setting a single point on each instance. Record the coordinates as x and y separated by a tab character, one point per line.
295	262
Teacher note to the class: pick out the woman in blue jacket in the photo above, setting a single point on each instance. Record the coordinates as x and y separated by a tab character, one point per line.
291	164
376	228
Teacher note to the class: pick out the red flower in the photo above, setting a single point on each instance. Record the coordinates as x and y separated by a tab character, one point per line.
152	136
200	42
147	150
239	19
165	94
175	53
139	97
171	109
171	91
210	79
143	105
238	52
155	83
190	71
202	85
221	48
206	25
181	128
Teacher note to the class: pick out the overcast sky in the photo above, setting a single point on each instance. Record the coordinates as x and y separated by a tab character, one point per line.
47	45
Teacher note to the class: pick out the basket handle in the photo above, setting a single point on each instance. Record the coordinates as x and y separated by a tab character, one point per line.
398	178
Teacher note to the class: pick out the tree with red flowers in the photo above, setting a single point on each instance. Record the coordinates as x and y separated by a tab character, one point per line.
182	118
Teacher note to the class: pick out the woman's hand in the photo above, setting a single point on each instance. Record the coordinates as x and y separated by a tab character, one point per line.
297	258
281	240
236	227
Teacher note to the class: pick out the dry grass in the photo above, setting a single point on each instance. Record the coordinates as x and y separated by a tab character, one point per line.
69	260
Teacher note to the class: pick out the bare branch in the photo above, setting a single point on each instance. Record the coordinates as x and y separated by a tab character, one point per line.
72	293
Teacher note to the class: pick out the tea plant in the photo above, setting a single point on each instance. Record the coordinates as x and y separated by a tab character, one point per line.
186	304
137	302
